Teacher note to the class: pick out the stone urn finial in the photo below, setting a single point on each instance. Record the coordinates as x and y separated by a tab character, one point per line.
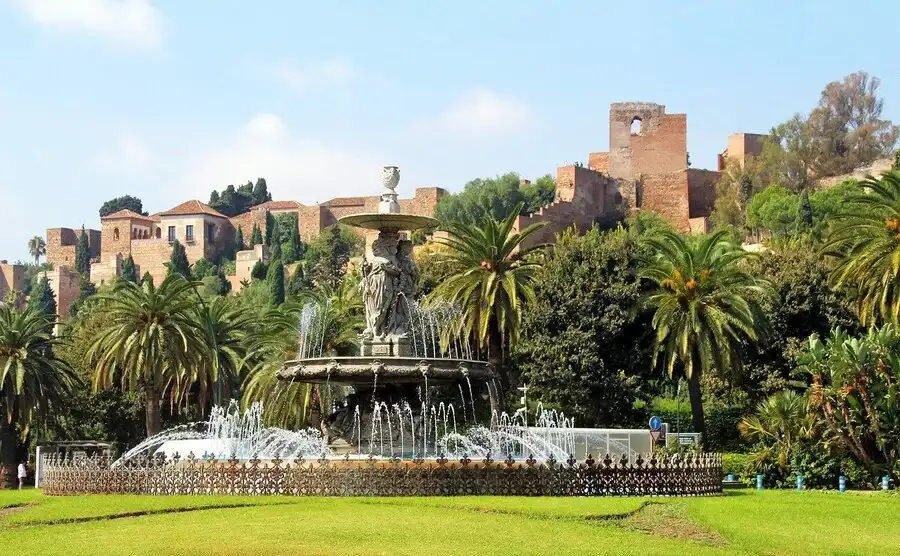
390	177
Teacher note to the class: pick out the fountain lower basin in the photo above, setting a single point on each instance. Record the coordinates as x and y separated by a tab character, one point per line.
394	370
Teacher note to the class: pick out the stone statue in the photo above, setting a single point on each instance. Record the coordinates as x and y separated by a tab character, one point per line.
380	277
406	288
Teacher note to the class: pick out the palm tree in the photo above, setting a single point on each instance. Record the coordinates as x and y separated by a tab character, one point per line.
780	422
32	379
866	243
706	304
490	279
37	247
226	326
153	341
338	324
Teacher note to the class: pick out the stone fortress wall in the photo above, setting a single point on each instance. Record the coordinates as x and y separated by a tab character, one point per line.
646	167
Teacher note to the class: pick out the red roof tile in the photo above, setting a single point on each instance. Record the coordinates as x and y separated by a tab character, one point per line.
278	205
192	207
126	213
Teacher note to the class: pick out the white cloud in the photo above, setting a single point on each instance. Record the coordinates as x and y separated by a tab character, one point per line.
480	112
296	168
129	155
315	77
135	22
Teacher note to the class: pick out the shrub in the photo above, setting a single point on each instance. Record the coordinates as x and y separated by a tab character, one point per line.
736	464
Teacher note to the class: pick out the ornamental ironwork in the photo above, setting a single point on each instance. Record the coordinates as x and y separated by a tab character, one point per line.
681	475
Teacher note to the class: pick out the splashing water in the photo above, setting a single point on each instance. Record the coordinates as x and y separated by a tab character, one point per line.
228	433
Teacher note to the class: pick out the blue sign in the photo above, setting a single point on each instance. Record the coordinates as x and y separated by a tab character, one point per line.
655	423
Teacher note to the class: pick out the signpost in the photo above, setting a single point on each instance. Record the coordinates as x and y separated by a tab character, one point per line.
655	428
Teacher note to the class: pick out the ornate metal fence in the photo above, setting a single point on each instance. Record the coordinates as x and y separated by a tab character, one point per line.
690	475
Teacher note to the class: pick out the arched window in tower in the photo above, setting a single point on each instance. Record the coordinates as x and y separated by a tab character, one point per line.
636	126
115	234
158	233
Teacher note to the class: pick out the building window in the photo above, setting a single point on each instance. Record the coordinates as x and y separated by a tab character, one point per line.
115	234
158	232
210	232
171	234
189	233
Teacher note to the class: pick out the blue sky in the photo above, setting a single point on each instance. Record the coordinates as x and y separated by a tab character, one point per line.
169	99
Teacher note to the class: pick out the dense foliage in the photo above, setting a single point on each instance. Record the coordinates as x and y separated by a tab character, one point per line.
583	296
120	203
496	198
233	201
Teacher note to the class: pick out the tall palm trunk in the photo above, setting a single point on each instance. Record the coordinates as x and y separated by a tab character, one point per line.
152	411
696	398
8	462
495	358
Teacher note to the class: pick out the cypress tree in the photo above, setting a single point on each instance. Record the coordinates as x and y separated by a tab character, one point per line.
178	263
256	236
804	212
86	289
42	297
129	272
83	253
275	279
271	228
297	283
239	239
147	278
259	271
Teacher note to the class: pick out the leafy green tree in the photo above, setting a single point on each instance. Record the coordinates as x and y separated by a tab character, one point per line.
866	243
496	198
856	388
203	268
804	303
125	202
843	132
33	380
37	247
83	253
178	262
233	201
705	306
42	298
773	209
584	294
256	236
490	280
329	252
275	278
152	341
129	270
238	239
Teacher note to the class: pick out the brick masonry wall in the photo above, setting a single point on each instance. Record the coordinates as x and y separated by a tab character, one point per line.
151	255
116	239
599	162
61	245
64	283
667	194
701	191
12	277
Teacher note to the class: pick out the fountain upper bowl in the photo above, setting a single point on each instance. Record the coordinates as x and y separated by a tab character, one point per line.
394	370
389	222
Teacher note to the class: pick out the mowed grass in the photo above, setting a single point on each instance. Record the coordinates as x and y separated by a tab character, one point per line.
772	522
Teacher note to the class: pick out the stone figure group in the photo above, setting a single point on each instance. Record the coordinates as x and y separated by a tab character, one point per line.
388	283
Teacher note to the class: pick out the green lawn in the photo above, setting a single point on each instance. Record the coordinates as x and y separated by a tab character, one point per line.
773	522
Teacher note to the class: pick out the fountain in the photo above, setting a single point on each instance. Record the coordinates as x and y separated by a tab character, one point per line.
390	435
